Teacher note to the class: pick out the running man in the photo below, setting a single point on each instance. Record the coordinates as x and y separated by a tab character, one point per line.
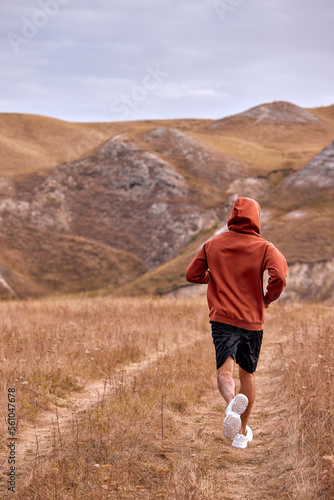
232	264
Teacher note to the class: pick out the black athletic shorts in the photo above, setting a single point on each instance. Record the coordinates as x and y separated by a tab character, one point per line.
243	345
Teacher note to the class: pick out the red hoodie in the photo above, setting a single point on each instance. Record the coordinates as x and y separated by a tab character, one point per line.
233	263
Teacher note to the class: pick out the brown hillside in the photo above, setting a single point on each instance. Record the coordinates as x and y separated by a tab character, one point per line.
325	112
37	262
141	196
30	143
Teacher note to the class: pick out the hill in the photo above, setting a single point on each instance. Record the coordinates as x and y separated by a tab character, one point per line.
274	136
274	112
122	207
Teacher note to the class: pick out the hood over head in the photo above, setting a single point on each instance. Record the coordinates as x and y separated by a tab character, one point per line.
245	216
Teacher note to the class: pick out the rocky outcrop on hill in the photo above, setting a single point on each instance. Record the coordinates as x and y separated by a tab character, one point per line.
122	197
319	173
251	187
311	281
271	113
197	158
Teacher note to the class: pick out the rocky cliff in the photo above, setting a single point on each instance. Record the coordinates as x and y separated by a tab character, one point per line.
318	174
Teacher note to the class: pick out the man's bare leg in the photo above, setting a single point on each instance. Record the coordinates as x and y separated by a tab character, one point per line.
247	387
226	384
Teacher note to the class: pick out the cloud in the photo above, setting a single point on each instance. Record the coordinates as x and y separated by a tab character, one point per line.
89	54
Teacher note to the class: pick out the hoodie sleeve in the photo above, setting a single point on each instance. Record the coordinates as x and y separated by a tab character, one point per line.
197	271
277	268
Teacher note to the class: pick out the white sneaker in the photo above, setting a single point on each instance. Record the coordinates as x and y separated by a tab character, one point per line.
232	422
241	441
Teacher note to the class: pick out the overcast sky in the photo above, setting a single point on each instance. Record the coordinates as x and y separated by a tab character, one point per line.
111	60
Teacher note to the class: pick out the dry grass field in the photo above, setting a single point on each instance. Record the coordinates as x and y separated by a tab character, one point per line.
117	398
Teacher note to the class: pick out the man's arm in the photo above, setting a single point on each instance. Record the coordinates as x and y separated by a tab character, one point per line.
277	268
197	271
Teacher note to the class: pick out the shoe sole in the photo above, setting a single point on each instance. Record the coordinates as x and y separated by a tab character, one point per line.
232	422
231	426
240	404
